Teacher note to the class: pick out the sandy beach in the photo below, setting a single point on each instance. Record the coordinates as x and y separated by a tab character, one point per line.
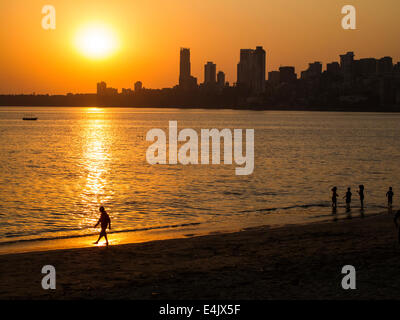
292	262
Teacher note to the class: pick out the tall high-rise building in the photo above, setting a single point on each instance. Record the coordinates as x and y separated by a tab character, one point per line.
347	66
185	78
314	71
221	79
184	65
244	67
365	67
138	86
210	73
287	74
251	69
384	65
101	88
333	69
260	70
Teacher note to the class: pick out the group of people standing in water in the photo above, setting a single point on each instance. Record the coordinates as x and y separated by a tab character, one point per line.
389	196
348	195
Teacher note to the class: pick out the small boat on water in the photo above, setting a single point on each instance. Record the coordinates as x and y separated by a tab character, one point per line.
30	117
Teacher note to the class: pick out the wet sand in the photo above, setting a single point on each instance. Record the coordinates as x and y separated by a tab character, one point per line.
292	262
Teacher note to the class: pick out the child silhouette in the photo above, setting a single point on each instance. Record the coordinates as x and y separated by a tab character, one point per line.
334	198
361	193
389	195
348	199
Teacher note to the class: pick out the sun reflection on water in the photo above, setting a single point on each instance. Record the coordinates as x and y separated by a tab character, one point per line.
96	159
94	110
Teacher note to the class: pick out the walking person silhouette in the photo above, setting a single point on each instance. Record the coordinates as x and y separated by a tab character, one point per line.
104	222
361	193
348	199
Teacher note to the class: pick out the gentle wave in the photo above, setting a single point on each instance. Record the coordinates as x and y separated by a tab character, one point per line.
110	232
301	206
305	206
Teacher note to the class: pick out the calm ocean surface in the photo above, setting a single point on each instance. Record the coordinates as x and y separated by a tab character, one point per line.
55	172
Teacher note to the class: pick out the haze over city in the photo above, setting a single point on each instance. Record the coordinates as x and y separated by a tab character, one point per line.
143	39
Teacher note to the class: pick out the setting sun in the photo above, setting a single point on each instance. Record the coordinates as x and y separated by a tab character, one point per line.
96	41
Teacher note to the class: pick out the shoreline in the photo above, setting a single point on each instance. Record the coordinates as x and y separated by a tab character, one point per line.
186	230
290	262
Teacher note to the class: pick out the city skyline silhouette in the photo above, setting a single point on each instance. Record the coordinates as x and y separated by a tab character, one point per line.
142	40
366	84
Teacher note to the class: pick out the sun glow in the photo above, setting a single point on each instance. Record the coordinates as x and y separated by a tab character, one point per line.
96	41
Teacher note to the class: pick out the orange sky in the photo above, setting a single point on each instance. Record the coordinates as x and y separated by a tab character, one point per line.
150	32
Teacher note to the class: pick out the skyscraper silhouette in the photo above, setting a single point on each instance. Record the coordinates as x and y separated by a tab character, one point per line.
185	78
347	67
287	74
314	71
210	73
384	65
138	86
221	79
184	65
101	88
251	69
